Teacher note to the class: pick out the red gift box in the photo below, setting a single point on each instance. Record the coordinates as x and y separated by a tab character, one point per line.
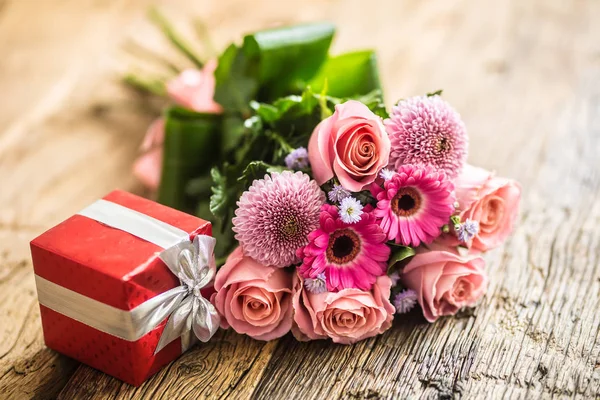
114	268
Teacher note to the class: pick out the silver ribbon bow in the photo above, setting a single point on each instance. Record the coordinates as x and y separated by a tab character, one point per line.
194	264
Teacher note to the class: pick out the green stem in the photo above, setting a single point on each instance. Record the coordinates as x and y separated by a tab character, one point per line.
180	43
152	86
325	111
287	148
204	36
142	52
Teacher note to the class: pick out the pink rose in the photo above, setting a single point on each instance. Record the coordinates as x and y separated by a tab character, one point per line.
254	299
352	144
445	281
193	89
147	168
346	316
490	200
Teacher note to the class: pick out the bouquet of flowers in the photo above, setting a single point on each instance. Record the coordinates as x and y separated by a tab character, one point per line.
332	213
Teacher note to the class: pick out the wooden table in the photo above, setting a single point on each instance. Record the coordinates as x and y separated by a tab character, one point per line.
524	74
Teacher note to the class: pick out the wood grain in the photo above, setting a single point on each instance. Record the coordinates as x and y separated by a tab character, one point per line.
525	77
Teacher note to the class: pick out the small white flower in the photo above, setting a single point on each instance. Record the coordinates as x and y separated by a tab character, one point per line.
350	210
386	174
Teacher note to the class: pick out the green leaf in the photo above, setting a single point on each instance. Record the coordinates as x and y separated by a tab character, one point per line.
267	112
222	198
236	82
325	110
348	75
289	57
180	43
221	231
257	170
436	93
291	118
232	132
374	100
282	147
399	253
292	105
309	101
270	63
191	147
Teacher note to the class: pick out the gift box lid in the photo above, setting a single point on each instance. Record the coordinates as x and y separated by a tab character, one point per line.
108	264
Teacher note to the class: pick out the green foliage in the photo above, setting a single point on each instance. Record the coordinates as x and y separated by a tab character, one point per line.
221	230
349	74
257	170
270	64
374	100
288	57
274	87
293	117
400	255
225	191
436	93
271	133
236	84
188	152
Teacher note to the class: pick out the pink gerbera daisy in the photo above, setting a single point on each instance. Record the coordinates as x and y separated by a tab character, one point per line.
275	216
427	131
352	255
414	204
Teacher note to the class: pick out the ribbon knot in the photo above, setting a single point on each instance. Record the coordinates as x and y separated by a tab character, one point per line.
194	264
193	285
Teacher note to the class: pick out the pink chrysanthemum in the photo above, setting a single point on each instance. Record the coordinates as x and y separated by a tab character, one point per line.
414	204
427	131
275	216
350	255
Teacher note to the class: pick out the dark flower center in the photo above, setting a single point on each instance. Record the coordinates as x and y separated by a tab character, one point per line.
443	145
290	227
344	245
406	202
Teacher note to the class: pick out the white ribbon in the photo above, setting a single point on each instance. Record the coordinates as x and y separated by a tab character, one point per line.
192	262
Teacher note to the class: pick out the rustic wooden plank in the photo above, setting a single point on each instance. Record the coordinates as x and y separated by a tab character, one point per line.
523	74
27	368
230	365
52	63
